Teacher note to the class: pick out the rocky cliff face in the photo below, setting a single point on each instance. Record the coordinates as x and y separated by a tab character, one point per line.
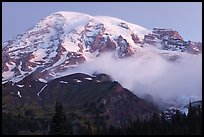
167	39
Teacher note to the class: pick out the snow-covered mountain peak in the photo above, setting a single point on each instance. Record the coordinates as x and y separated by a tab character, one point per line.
120	27
70	15
66	39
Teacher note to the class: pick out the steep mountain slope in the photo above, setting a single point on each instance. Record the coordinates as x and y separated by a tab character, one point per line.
64	40
84	95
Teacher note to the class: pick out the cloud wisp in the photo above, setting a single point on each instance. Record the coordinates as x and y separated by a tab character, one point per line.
150	73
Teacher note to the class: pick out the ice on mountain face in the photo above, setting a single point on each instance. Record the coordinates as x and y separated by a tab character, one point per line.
10	65
71	15
196	49
65	82
42	90
7	75
98	81
113	25
61	60
88	78
20	69
74	20
12	76
38	55
42	80
70	46
19	94
3	82
4	44
20	86
18	45
17	78
52	53
54	20
77	80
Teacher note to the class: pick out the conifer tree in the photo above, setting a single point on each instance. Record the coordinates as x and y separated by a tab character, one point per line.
58	125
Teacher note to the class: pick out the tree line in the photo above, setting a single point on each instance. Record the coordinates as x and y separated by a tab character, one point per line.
190	124
63	124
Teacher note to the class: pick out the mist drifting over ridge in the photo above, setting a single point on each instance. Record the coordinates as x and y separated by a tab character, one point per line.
150	73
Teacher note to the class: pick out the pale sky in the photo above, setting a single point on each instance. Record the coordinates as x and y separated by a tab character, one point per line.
185	17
